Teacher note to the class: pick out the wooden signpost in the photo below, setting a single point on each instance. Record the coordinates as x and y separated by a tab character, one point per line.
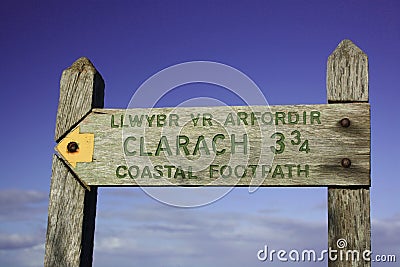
311	145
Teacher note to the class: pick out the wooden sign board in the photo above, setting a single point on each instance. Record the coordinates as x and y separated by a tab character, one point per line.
299	145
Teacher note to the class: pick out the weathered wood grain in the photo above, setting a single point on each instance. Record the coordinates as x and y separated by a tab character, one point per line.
347	74
81	89
348	208
349	218
328	142
72	207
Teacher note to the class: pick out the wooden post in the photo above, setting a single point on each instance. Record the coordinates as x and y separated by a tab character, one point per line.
348	208
72	206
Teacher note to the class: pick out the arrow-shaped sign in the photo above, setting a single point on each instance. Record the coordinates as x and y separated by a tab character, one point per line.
76	147
299	145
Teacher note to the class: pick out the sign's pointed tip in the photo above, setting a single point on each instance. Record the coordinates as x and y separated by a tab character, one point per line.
76	147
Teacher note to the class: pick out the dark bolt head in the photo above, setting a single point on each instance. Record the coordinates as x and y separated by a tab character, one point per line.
346	163
72	147
345	122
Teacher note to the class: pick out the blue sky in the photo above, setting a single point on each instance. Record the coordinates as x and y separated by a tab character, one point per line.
281	45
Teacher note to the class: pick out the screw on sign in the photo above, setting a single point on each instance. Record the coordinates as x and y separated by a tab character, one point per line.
346	163
345	122
72	147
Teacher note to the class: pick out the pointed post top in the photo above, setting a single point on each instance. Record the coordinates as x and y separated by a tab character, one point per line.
347	47
81	90
347	74
81	64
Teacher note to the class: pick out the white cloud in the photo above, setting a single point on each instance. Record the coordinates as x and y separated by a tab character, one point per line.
151	234
386	235
27	257
22	204
158	235
19	241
